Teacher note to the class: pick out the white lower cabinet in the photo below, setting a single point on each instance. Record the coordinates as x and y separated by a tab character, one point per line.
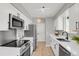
54	46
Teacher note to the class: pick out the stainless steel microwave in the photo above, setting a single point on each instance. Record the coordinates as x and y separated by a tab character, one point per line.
15	22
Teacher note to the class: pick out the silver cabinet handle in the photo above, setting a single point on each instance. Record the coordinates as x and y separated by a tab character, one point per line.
55	46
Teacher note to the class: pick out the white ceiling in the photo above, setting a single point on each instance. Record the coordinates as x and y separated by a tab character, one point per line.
35	9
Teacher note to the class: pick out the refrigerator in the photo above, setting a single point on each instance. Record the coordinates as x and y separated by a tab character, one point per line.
32	33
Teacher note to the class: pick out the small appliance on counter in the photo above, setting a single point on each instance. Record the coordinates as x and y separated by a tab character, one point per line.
56	33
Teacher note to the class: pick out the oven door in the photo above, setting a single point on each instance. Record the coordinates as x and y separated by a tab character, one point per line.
26	50
26	53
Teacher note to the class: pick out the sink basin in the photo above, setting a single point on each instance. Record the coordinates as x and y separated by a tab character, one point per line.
63	40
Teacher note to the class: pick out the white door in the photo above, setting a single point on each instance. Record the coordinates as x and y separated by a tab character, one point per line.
41	32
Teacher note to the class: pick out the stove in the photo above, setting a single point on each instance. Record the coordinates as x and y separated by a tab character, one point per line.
15	43
22	46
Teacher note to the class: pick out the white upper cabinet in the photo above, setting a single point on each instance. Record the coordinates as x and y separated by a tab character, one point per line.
5	9
59	23
62	22
26	23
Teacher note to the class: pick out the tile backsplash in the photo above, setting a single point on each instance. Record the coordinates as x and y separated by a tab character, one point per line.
20	34
7	36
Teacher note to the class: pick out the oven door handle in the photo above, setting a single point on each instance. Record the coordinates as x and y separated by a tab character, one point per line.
24	50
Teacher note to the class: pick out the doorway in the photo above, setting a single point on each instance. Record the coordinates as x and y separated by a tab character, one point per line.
41	30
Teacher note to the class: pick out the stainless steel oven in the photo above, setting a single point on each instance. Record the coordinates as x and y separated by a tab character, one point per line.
25	49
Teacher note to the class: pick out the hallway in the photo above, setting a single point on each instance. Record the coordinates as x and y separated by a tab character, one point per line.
42	50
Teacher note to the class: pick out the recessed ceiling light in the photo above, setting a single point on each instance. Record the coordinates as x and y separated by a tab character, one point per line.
38	20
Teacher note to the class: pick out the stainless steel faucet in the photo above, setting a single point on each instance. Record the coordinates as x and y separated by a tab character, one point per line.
66	34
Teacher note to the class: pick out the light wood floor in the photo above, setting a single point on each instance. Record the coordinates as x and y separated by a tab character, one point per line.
42	50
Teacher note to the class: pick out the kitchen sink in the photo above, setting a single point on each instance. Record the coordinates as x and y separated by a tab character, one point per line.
63	40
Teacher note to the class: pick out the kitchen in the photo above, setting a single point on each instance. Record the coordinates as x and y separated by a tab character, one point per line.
39	29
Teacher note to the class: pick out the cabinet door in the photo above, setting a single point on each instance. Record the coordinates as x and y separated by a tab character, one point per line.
26	23
4	17
59	23
55	46
5	9
62	22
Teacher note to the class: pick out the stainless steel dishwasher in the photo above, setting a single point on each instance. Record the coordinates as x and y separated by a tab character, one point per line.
63	51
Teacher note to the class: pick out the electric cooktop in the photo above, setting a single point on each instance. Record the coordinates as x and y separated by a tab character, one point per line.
15	43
